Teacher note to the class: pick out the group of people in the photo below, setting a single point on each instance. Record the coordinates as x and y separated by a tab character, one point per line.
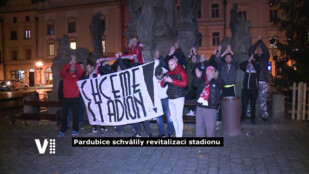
180	78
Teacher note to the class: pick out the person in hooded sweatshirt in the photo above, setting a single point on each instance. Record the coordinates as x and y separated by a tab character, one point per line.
177	81
262	57
250	86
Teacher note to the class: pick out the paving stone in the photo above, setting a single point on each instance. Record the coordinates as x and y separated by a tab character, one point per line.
265	151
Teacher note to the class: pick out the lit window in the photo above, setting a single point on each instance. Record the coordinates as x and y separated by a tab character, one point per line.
104	47
18	75
73	45
51	49
27	34
215	10
215	38
50	29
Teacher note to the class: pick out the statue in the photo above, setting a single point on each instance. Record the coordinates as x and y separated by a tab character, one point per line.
63	56
153	21
241	41
97	30
241	38
164	34
187	28
145	29
135	8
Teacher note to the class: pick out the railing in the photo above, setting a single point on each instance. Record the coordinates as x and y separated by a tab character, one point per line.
300	110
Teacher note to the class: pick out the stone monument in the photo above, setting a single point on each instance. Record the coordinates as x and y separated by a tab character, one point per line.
97	28
164	27
145	29
240	42
63	57
188	35
153	21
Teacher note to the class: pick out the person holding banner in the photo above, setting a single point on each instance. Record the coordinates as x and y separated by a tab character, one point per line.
91	73
159	58
135	47
177	81
208	98
70	74
160	72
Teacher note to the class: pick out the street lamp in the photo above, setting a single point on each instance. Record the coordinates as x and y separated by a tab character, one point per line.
39	66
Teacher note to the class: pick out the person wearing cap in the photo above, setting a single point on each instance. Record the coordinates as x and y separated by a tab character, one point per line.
177	81
262	56
250	86
208	97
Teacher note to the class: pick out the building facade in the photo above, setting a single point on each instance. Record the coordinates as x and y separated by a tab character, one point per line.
29	33
29	30
214	21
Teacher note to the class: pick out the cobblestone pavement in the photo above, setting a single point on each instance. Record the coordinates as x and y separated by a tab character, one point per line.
262	148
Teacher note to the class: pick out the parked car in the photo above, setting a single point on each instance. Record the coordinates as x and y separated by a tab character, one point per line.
12	85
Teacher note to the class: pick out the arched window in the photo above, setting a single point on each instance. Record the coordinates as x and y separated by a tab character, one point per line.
51	27
71	25
48	75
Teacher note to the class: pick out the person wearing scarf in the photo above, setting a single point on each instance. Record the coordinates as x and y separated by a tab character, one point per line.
208	97
177	81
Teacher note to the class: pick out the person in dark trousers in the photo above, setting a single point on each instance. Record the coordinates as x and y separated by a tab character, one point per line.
70	74
250	86
138	126
91	73
191	91
228	65
262	56
82	108
208	98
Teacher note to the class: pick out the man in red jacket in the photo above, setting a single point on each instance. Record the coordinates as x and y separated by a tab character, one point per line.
70	73
177	81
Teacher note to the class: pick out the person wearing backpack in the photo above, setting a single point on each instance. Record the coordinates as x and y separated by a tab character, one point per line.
70	74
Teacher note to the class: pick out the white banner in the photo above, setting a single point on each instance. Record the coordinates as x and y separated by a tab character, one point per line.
123	97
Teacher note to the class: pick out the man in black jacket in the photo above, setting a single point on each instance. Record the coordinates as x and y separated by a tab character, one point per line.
208	98
262	56
250	86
